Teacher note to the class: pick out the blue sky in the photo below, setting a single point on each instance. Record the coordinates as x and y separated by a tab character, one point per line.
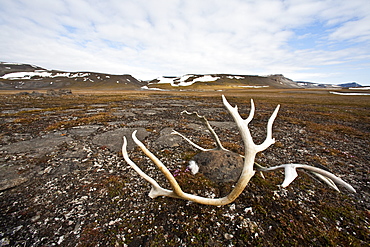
325	41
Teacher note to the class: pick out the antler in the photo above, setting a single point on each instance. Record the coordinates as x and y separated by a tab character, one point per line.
209	127
250	148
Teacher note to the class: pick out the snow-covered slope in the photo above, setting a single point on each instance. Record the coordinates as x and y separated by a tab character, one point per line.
226	80
38	74
25	76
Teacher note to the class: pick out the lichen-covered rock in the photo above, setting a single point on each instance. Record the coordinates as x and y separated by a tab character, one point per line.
220	166
37	146
114	139
166	139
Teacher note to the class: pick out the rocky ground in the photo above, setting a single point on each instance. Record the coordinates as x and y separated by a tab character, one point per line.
64	182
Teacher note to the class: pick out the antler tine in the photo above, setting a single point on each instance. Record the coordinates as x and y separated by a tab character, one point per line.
175	186
156	190
242	125
174	132
251	113
269	139
209	127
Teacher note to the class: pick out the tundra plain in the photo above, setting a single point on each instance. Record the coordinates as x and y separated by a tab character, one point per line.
64	181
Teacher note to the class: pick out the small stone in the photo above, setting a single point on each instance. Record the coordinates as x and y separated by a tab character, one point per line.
35	218
194	168
48	169
228	236
4	242
248	210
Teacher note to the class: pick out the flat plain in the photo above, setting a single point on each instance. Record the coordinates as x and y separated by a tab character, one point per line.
63	179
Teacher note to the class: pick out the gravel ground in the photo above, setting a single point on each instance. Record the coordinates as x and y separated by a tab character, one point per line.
64	182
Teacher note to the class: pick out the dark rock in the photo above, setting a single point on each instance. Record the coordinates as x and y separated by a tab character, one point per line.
167	139
223	125
10	177
23	93
36	94
52	92
220	166
33	94
139	123
114	139
83	130
38	146
65	91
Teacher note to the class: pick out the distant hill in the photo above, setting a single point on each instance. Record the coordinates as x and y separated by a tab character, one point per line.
222	81
322	85
194	81
350	84
25	76
31	77
306	84
6	68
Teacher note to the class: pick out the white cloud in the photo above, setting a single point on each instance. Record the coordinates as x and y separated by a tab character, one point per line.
153	38
358	30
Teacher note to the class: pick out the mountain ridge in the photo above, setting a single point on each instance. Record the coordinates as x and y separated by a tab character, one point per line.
26	76
31	77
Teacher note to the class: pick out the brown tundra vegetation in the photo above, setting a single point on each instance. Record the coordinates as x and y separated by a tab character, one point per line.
64	182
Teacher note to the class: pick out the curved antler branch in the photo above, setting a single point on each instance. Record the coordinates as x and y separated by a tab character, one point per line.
291	173
269	140
174	132
175	186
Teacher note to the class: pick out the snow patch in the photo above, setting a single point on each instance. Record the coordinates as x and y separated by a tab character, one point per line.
184	81
254	86
6	63
151	88
235	77
360	88
79	75
41	73
25	75
339	93
206	78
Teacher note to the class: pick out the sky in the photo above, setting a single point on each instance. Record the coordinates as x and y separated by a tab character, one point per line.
326	41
